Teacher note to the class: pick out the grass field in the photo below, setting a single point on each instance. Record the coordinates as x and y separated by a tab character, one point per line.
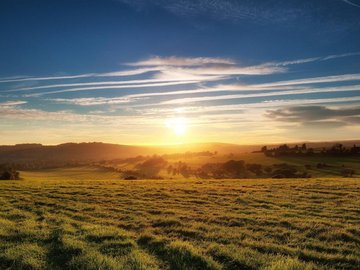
89	219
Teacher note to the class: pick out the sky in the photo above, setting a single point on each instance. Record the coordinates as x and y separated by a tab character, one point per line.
179	71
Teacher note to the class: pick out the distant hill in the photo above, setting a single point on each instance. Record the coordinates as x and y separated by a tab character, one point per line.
70	152
95	151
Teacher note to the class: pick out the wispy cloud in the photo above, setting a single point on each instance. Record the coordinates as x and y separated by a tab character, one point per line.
279	85
258	12
81	76
182	61
324	79
109	87
201	109
310	115
313	59
223	88
12	103
278	93
18	113
94	101
177	69
7	80
169	66
104	83
351	3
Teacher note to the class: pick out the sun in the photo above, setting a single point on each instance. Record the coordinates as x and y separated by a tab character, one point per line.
178	125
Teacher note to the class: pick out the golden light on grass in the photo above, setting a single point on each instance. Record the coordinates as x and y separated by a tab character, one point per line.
178	125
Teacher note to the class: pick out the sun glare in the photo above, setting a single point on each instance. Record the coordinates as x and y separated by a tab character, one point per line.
178	125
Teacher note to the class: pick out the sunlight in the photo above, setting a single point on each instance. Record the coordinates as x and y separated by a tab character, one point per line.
178	125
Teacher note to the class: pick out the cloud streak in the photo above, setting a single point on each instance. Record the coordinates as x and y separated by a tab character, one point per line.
322	115
351	3
182	61
94	101
12	103
278	93
109	87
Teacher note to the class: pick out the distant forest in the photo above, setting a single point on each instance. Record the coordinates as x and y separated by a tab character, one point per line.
337	150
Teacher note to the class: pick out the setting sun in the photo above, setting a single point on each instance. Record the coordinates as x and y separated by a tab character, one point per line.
178	125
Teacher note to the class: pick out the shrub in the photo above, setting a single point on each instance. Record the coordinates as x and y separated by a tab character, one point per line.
9	174
347	172
131	177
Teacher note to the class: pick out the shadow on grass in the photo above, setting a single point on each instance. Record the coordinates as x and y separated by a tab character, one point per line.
60	254
178	255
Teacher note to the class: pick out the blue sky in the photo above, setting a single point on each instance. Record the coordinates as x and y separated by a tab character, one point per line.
232	71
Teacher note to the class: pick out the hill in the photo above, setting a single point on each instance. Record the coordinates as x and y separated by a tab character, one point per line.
96	151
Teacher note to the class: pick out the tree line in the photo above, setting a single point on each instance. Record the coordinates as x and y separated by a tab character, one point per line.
302	150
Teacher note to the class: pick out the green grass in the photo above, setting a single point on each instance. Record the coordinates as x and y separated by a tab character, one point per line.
88	219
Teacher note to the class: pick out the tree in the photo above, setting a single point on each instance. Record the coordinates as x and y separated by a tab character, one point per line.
347	172
254	168
234	168
9	174
303	147
152	166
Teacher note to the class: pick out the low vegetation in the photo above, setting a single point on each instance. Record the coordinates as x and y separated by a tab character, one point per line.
73	219
8	173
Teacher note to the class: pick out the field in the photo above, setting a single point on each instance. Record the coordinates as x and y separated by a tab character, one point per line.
90	219
333	168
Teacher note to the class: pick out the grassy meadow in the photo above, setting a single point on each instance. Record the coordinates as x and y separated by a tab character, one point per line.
85	218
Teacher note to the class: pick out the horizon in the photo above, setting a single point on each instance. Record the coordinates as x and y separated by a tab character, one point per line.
162	73
187	144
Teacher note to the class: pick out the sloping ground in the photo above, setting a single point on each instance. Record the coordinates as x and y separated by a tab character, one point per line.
81	173
74	152
183	224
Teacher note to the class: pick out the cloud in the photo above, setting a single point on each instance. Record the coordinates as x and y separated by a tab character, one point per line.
182	67
313	115
182	61
222	88
11	103
104	83
6	80
324	79
81	76
201	109
267	94
304	14
68	116
110	87
175	70
168	66
292	87
94	101
225	10
279	85
313	59
166	71
351	3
